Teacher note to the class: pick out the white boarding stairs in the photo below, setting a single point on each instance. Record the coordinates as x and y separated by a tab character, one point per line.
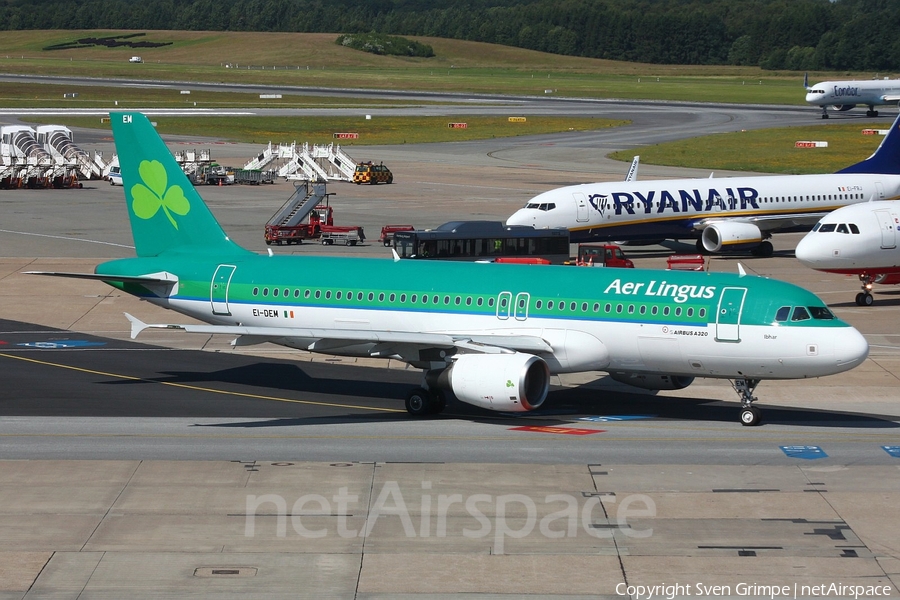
303	167
302	202
341	167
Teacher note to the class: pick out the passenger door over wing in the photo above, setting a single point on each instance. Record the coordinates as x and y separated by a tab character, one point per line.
218	290
728	314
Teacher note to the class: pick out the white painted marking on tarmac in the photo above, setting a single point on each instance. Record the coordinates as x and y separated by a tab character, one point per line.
484	187
71	239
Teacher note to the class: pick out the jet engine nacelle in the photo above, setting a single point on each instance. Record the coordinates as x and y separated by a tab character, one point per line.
652	381
731	235
888	279
843	107
507	382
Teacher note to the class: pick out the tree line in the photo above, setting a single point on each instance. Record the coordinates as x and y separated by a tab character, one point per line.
773	34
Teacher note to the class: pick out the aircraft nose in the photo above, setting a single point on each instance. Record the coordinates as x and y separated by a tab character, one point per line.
520	217
850	348
810	251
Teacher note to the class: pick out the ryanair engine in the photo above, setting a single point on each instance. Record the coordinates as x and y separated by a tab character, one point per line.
724	236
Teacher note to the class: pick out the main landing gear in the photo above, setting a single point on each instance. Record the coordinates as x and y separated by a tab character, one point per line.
871	112
864	298
764	250
750	415
421	402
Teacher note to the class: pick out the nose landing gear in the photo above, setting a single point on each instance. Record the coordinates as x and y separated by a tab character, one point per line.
750	415
864	298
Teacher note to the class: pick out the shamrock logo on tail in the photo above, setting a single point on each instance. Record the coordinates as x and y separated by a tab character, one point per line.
154	194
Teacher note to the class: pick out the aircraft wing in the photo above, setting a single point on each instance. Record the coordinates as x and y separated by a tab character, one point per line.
164	279
890	98
387	342
767	222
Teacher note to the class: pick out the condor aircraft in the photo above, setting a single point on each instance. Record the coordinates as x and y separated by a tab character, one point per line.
491	334
844	95
735	213
856	240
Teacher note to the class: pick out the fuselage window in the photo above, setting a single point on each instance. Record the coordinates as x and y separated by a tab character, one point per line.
800	314
538	304
457	300
402	298
328	295
371	296
619	308
256	291
265	291
337	295
297	293
446	299
306	293
701	313
631	309
549	304
562	306
413	298
393	297
479	301
654	310
274	291
596	307
381	297
573	306
665	311
643	309
436	300
584	307
490	302
424	298
287	292
359	296
677	311
318	294
690	312
469	301
609	308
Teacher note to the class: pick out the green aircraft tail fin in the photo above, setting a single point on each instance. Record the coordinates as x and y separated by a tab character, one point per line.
165	210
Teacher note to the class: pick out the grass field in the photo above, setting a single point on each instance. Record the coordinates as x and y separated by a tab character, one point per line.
767	150
315	60
380	130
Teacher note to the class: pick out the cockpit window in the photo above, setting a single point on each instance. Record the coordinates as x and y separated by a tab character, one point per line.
816	227
842	228
827	228
533	205
853	228
544	206
783	313
821	313
800	314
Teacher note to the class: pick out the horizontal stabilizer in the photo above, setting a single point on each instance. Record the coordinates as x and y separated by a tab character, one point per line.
145	279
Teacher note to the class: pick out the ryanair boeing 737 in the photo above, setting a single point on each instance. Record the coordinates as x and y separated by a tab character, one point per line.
491	334
732	213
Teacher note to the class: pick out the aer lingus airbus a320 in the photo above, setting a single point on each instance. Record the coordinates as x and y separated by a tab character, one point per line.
490	333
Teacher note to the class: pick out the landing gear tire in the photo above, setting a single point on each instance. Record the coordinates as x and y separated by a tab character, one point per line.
764	250
751	417
864	299
419	402
871	113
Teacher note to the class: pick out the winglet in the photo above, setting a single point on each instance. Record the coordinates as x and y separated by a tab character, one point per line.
396	256
137	325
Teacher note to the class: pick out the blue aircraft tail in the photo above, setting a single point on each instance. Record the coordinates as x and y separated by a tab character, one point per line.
886	159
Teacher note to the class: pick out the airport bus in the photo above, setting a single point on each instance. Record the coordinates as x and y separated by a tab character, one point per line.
484	240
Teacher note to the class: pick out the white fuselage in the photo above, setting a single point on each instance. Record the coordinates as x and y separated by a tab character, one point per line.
856	239
764	352
874	92
679	209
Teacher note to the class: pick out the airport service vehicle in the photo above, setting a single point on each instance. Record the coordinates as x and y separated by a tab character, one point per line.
482	240
135	59
366	172
115	178
602	255
844	95
347	235
856	240
492	334
310	229
388	231
734	213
